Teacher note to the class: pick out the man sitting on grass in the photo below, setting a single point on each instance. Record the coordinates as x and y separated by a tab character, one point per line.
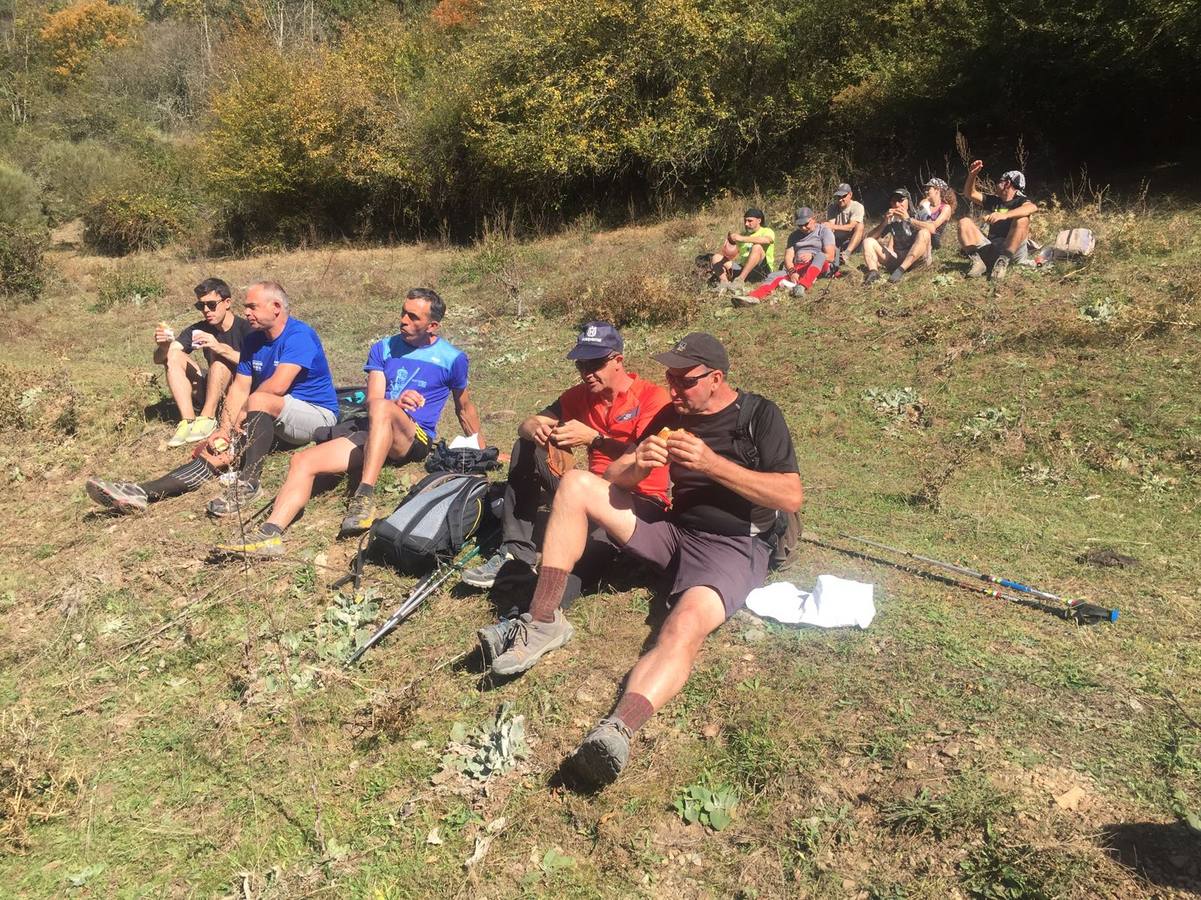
845	218
218	335
727	482
410	375
897	243
605	413
746	257
812	252
282	389
1007	214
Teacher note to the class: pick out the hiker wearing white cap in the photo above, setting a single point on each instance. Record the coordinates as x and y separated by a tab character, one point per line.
1007	214
844	216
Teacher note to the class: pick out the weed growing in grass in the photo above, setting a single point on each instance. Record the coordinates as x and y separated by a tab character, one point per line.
702	689
903	406
818	835
630	300
35	786
133	284
708	802
971	804
1005	869
752	757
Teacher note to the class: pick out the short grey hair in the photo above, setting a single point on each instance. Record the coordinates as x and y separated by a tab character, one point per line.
272	289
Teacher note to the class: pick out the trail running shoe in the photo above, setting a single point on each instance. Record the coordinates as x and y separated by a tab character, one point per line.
745	300
264	546
897	274
201	428
484	575
978	266
238	494
360	516
871	277
495	638
602	755
1000	268
181	434
531	641
123	496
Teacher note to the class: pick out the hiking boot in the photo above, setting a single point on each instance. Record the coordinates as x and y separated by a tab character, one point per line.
360	516
978	266
263	546
238	494
202	428
530	642
745	300
730	286
1000	268
871	277
123	496
484	575
496	638
897	274
181	434
797	291
602	755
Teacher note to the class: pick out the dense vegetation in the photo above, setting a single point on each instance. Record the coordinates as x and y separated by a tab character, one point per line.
238	121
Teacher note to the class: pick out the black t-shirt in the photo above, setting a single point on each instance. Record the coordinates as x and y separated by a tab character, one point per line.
237	333
699	503
999	231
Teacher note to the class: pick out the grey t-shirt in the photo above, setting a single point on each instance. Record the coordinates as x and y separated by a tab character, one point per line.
814	242
840	216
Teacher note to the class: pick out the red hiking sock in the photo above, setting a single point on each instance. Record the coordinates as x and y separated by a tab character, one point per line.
633	710
548	593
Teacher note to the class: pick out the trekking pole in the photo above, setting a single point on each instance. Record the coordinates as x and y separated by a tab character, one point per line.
1084	612
423	590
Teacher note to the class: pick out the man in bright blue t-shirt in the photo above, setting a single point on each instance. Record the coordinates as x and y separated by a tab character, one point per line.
283	389
410	376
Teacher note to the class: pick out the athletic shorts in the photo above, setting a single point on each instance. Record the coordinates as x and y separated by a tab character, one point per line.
419	450
991	250
733	565
890	260
762	270
299	419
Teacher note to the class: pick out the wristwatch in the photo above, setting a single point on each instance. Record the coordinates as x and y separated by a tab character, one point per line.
596	441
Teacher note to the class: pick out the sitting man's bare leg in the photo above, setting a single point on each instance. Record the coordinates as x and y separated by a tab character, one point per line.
391	435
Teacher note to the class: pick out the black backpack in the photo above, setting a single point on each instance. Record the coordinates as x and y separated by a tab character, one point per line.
785	534
432	523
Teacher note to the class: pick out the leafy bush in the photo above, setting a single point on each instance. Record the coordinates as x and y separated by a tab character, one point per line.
121	222
22	262
70	173
78	33
636	299
133	284
21	205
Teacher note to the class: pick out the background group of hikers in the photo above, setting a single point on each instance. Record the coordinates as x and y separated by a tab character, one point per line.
693	478
904	239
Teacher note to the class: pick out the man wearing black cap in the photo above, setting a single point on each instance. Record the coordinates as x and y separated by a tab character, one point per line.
750	256
1007	214
897	243
845	218
604	413
732	467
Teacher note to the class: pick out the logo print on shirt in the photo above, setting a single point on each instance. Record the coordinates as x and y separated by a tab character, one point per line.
626	416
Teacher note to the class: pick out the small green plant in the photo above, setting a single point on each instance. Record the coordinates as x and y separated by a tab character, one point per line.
902	405
1102	311
633	299
970	804
494	747
134	285
710	803
22	262
752	757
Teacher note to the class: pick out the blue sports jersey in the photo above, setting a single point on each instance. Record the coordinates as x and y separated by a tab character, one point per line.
299	345
433	371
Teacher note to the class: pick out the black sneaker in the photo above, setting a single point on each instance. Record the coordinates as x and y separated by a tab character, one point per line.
871	277
897	274
484	575
602	755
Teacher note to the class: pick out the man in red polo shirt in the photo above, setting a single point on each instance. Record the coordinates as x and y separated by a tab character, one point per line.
604	413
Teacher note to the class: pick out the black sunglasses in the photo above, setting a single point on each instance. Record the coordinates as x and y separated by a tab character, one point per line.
684	382
210	305
593	365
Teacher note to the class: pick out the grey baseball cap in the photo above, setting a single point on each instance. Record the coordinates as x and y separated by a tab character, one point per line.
842	190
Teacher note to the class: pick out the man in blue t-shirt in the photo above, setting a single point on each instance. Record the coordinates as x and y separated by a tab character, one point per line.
410	376
282	389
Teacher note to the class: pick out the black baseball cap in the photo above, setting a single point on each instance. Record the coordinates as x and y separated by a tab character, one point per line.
900	192
754	212
596	341
696	349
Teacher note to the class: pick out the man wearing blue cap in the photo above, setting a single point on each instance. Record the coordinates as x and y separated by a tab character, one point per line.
1007	214
604	413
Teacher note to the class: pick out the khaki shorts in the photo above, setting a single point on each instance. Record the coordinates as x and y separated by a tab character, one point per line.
299	419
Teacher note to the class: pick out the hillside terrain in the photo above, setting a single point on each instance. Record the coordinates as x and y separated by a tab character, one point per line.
172	725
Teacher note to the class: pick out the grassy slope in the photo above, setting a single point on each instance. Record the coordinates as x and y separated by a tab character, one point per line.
917	758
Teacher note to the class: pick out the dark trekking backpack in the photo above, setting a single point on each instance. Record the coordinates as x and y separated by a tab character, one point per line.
784	536
432	523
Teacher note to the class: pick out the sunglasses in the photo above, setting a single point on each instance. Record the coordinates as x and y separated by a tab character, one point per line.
684	382
210	305
585	366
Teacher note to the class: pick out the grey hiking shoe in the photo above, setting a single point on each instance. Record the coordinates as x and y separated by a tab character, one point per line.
602	755
897	274
360	516
978	267
871	277
495	638
531	641
797	291
1000	268
484	575
238	494
122	496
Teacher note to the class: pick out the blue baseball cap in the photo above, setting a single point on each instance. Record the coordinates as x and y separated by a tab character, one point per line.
596	341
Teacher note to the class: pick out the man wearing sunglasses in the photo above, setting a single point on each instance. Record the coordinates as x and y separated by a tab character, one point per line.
728	481
218	335
604	413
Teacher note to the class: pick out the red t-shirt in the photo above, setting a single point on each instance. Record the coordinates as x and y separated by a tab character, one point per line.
623	421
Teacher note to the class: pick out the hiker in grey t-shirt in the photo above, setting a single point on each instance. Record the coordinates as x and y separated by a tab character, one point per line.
1007	214
844	216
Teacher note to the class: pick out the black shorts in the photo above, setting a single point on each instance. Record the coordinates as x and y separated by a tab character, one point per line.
356	430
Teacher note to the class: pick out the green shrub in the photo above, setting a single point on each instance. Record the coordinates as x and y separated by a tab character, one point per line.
21	205
22	262
70	174
122	222
134	284
636	299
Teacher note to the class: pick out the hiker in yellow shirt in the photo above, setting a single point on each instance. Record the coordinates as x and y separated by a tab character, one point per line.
746	257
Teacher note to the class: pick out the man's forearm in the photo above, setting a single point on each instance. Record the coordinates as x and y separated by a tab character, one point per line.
469	420
775	490
626	473
235	400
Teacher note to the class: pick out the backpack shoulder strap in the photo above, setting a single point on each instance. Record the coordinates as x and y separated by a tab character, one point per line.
744	431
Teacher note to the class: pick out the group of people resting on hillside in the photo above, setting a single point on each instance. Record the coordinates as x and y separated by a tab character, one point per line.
690	478
904	239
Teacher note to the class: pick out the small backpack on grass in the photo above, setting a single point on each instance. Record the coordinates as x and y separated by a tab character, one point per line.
432	523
